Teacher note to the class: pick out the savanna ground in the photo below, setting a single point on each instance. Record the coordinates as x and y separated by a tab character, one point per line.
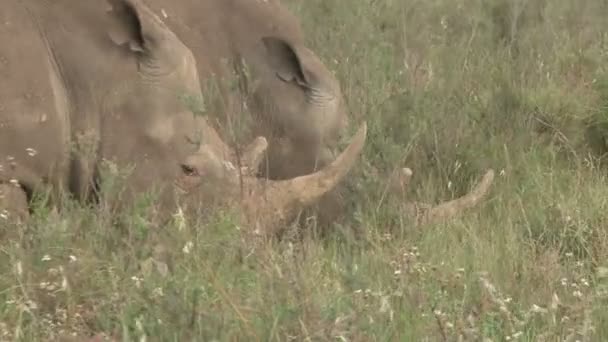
449	88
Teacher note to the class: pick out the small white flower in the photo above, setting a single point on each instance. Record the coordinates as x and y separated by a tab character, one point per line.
46	257
73	258
31	152
158	292
31	305
188	247
137	281
444	22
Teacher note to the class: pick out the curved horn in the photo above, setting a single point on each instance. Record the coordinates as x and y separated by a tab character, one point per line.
452	208
280	199
305	190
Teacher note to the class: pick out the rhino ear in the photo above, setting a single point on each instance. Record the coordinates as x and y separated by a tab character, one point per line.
285	61
132	23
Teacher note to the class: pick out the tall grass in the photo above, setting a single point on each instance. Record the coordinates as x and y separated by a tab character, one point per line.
448	88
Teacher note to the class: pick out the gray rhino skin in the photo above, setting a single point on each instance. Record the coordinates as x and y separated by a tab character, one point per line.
79	76
295	100
85	81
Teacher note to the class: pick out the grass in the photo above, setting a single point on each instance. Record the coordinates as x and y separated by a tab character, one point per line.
448	88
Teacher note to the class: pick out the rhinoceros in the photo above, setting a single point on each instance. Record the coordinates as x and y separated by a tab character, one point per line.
295	101
85	82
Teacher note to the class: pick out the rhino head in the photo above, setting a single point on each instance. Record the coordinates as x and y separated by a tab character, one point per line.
111	79
300	106
213	180
146	121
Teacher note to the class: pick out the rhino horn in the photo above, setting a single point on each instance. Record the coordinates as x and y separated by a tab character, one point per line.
424	213
276	201
452	208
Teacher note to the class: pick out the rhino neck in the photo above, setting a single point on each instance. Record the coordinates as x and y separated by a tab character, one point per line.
159	68
320	98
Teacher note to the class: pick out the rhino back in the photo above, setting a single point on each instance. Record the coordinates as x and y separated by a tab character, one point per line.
216	29
33	106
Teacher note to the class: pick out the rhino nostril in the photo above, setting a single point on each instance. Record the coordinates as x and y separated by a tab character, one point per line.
189	170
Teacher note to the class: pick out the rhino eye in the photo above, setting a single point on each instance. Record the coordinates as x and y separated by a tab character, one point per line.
189	170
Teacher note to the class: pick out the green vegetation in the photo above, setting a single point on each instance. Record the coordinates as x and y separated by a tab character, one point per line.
448	88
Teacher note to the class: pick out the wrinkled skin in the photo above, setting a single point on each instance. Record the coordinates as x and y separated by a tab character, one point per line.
295	100
87	83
